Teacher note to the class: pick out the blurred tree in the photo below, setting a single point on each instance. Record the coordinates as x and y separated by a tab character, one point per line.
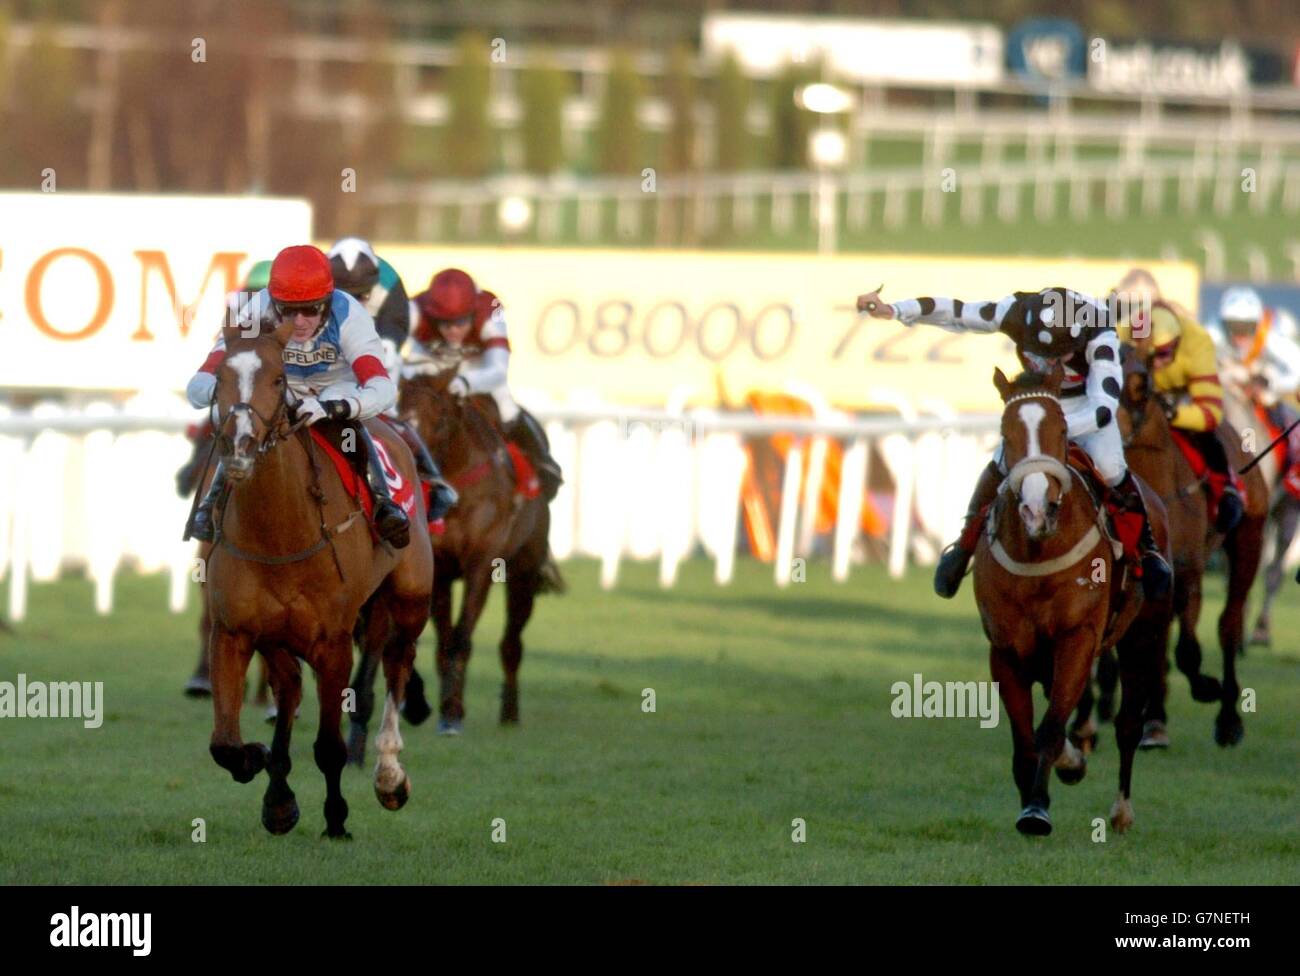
46	129
791	125
731	94
542	90
619	136
679	91
467	139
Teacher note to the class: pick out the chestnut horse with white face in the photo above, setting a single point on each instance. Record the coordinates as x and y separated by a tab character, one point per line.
1052	594
293	563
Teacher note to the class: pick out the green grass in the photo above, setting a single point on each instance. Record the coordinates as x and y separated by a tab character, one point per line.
771	705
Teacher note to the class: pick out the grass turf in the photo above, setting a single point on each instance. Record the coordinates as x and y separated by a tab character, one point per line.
771	705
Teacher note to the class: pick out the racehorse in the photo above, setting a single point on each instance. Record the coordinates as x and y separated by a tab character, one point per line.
1283	519
288	575
1154	456
1052	594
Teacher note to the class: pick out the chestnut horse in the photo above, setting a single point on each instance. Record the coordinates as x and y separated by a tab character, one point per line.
288	575
492	534
1052	594
1154	456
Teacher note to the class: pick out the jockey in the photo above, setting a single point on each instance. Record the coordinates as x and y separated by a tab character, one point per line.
1181	355
1049	327
1258	348
459	324
332	361
374	283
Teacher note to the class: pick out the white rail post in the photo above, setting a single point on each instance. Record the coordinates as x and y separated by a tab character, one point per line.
789	512
901	527
853	478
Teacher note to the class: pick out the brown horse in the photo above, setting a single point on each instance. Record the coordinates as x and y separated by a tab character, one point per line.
1155	457
1052	594
291	568
493	534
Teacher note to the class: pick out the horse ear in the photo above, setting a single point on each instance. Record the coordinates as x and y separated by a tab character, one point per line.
1002	383
283	332
229	333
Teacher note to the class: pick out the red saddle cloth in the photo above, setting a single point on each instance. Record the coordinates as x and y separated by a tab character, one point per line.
1217	482
402	491
526	480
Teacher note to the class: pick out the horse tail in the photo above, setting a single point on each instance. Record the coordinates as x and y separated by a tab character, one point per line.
549	578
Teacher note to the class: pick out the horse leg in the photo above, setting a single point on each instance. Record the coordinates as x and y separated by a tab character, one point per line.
1107	679
200	683
1141	660
1284	518
363	684
279	806
331	663
1187	653
441	605
392	784
1083	730
1242	548
229	654
521	593
415	706
477	581
1016	691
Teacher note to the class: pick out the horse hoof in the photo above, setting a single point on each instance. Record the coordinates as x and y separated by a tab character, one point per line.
282	818
1154	736
326	834
1034	822
1229	731
416	710
450	726
198	687
396	799
1206	689
1071	776
1121	815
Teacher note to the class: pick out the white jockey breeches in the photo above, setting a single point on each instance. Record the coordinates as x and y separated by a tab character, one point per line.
506	405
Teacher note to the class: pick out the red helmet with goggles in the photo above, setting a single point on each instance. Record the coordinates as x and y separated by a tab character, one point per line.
301	275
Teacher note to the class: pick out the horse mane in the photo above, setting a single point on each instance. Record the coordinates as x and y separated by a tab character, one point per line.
1029	380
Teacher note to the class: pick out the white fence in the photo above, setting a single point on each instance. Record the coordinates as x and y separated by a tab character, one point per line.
93	488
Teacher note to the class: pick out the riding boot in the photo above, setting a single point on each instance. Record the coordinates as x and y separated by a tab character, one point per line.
444	496
1157	577
954	560
200	525
1226	507
528	434
390	521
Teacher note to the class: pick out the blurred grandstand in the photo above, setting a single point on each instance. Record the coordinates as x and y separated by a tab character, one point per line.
505	135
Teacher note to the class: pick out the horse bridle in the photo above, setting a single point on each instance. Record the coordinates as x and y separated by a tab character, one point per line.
1036	463
273	426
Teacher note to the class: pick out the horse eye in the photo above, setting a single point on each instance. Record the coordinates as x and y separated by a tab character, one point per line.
279	381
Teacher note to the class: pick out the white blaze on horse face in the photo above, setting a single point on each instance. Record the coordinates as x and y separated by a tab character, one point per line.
245	364
1033	490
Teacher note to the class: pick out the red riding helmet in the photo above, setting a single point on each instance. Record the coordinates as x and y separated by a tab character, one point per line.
301	273
450	296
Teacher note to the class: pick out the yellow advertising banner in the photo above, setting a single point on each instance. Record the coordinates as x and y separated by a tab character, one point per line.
639	326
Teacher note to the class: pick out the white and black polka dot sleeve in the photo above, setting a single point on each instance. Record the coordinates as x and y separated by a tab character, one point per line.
952	314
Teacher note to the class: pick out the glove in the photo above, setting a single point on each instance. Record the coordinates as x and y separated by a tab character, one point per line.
459	386
311	409
339	409
200	390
